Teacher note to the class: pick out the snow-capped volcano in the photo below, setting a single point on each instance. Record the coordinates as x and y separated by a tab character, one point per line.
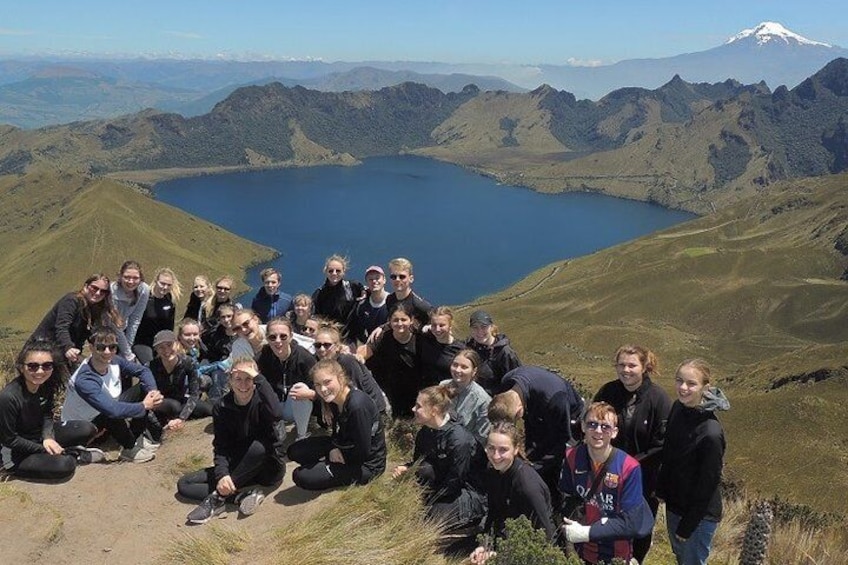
773	31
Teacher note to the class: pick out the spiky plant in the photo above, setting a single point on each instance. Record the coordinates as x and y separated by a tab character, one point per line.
757	534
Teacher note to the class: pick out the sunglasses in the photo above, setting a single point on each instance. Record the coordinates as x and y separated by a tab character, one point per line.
47	366
603	426
335	271
395	277
223	288
277	337
245	324
98	290
323	345
105	346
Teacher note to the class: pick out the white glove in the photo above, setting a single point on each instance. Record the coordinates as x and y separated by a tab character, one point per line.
576	532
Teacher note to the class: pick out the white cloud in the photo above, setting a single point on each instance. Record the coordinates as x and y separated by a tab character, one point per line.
7	31
184	34
574	62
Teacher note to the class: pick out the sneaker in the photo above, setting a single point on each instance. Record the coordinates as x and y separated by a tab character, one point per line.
86	455
145	443
211	506
249	502
304	436
137	454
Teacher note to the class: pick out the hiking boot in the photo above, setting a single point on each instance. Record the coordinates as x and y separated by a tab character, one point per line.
249	501
137	454
86	455
211	506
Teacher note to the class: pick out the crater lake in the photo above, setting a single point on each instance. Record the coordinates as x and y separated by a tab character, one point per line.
466	234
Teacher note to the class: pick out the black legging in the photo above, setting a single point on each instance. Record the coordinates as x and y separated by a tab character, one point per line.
315	473
46	467
170	409
258	465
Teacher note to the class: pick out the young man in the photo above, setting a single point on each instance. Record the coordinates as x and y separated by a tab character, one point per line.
548	404
97	393
247	448
607	483
370	312
400	273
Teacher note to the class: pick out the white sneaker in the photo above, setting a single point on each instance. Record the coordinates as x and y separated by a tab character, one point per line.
146	443
137	455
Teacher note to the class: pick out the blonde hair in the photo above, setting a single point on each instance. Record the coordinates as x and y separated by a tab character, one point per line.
401	264
211	303
176	289
700	366
646	357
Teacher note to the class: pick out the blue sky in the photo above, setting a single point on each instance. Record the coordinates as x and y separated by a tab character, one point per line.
493	31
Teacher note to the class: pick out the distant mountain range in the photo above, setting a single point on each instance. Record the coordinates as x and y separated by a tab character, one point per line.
695	146
35	92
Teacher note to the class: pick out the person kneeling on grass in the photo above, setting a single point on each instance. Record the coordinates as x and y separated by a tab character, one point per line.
41	448
604	485
247	448
356	452
97	394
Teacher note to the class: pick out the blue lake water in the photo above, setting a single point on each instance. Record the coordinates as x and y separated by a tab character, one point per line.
466	235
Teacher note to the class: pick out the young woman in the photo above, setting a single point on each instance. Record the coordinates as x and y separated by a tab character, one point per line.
356	452
449	462
642	408
188	340
199	293
328	345
177	379
393	358
219	340
337	296
301	312
246	449
76	315
41	448
129	296
250	337
606	484
160	313
222	295
512	487
269	302
470	402
494	349
438	347
286	365
692	459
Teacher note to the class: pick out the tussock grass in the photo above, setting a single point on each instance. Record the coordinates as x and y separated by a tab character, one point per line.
382	522
215	546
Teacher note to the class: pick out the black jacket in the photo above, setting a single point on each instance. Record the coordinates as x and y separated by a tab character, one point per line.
361	378
550	403
642	419
336	302
359	435
283	374
451	461
236	427
519	491
181	384
692	459
498	359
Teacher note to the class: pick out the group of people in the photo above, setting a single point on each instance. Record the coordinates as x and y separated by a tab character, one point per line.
497	439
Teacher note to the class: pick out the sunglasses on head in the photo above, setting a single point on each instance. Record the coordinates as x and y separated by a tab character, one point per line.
105	346
33	367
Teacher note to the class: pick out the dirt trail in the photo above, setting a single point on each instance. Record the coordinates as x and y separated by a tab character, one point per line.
123	512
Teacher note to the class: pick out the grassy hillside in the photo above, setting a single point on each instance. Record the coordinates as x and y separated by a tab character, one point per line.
756	290
57	228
